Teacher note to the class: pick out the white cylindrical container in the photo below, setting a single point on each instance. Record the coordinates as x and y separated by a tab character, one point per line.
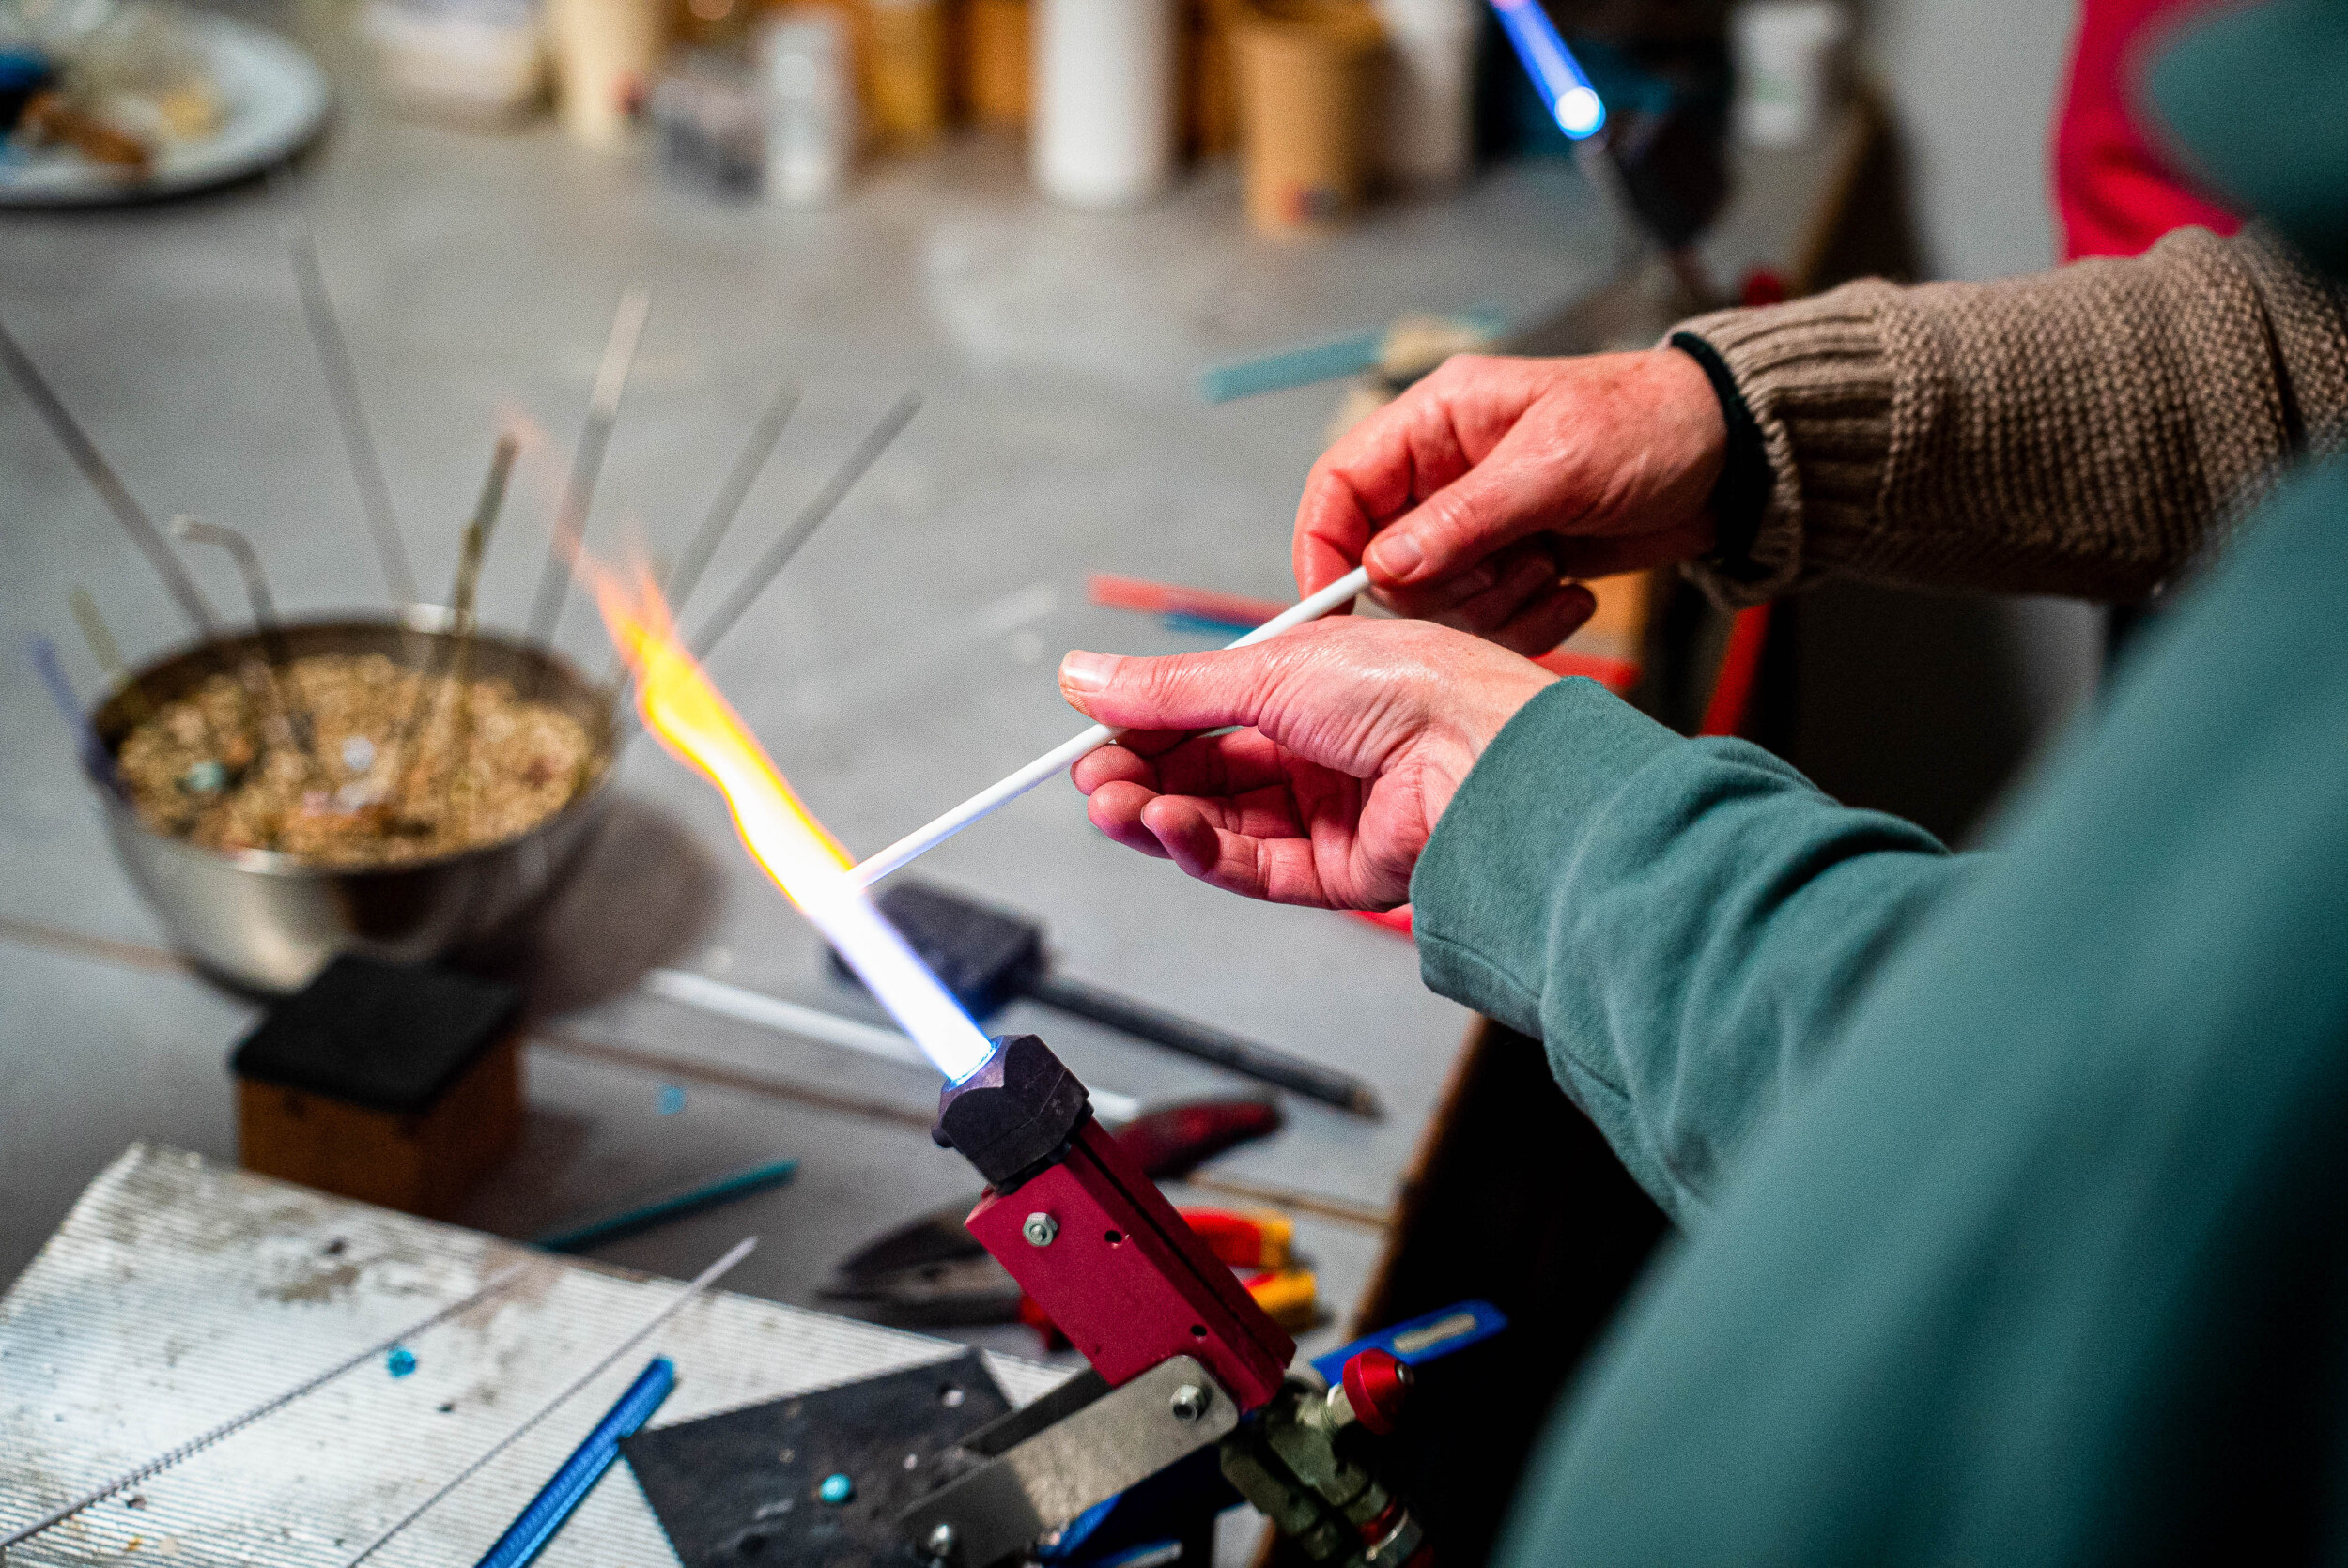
605	51
1426	135
1104	82
804	76
481	61
1789	59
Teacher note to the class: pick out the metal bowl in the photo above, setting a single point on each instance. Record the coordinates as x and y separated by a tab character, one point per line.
268	921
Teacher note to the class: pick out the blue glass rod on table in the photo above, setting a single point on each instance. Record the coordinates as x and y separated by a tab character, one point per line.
552	1507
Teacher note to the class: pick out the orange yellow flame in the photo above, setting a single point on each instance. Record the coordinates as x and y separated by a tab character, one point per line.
700	728
688	717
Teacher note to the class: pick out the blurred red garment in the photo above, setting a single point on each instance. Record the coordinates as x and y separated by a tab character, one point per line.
2115	192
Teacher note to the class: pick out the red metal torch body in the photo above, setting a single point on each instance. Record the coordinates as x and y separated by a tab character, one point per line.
1124	1276
1070	1214
1164	1325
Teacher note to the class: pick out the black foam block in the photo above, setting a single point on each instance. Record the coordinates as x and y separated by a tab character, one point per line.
388	1037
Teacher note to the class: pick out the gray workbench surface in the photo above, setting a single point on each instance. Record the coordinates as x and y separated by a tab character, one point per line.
903	661
179	1294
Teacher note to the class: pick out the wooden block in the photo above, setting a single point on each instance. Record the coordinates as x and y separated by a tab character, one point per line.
397	1086
906	91
995	65
417	1164
1209	84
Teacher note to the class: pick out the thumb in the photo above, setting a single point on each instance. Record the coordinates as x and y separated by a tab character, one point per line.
1184	691
1454	529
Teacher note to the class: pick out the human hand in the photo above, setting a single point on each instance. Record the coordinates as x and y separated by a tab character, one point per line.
1477	491
1357	734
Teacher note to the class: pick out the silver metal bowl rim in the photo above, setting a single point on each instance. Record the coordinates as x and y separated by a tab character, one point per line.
430	619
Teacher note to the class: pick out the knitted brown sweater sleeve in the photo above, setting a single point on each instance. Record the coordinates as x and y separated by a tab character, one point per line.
2080	432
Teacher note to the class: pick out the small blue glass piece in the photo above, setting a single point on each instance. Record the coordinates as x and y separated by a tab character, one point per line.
837	1488
672	1100
401	1361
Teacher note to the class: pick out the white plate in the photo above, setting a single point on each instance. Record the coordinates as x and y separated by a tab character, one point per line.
273	100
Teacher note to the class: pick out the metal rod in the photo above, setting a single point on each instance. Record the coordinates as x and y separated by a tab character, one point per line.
458	646
737	489
928	837
109	486
486	512
644	1217
96	760
560	1497
579	490
803	527
248	563
687	575
109	657
171	1456
779	554
727	1000
292	712
468	585
700	1283
1208	1044
139	707
341	387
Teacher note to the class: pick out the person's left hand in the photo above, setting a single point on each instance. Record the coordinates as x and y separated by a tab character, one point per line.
1358	733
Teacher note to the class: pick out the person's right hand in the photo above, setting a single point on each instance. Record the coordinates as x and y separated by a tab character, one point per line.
1355	735
1477	492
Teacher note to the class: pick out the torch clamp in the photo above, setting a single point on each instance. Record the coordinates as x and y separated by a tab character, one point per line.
1182	1358
1049	1463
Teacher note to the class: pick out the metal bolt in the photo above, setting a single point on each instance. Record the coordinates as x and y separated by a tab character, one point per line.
1041	1229
1189	1403
941	1541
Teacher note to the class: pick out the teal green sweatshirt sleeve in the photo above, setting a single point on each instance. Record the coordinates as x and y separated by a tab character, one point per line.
1685	923
2047	1264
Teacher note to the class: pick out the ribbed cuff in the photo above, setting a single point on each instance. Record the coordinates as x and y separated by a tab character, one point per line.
1742	491
1820	389
1481	896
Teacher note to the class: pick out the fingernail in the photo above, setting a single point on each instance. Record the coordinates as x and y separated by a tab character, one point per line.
1395	556
1085	673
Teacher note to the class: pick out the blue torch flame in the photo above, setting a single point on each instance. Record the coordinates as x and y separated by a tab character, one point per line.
1572	102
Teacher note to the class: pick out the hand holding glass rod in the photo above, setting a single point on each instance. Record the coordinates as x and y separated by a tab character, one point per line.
1342	592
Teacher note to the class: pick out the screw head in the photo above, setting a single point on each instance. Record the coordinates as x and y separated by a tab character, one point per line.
1189	1403
1041	1229
941	1539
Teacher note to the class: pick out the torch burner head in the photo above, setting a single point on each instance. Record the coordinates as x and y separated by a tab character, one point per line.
1015	1114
